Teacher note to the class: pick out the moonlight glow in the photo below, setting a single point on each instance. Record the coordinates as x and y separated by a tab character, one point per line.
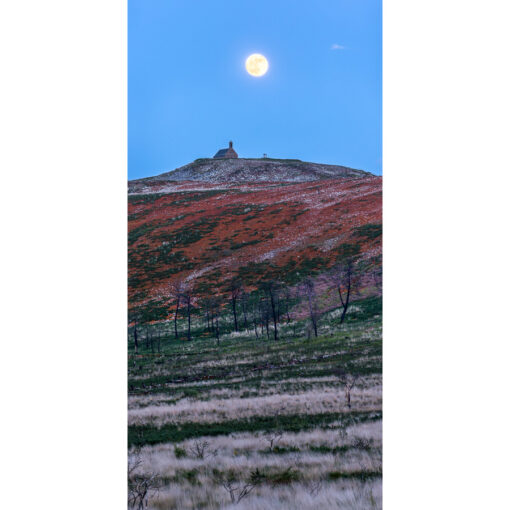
257	65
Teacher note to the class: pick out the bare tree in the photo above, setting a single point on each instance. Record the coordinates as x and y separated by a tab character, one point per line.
187	295
255	318
346	278
308	289
272	290
151	338
135	333
176	290
264	314
158	333
236	289
147	337
135	318
347	381
244	307
206	303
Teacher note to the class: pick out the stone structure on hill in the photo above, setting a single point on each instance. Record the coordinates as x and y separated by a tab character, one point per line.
226	153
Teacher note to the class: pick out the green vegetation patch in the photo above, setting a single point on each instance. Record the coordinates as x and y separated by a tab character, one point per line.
369	231
139	435
149	198
361	475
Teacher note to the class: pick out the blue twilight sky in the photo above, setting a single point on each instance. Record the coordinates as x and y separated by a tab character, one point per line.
189	93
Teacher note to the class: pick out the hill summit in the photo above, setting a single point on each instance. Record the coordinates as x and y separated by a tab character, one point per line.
257	170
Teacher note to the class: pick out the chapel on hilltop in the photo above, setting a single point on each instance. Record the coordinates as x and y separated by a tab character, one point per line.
226	153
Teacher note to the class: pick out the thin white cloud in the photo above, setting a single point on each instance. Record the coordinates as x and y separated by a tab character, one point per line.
337	47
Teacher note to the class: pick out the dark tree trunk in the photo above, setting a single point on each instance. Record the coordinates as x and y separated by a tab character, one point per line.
287	307
234	299
312	314
217	331
345	304
136	340
275	316
175	317
244	305
189	318
279	309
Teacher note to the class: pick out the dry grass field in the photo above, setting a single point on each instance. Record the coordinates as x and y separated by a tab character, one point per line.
260	424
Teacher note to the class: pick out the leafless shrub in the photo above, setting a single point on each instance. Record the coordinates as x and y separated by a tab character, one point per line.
238	492
347	381
273	439
201	450
140	486
229	486
314	488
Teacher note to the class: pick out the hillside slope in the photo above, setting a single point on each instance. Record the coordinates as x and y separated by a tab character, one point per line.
211	232
243	365
250	170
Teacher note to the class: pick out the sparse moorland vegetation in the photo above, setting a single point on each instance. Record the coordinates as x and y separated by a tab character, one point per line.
254	341
204	417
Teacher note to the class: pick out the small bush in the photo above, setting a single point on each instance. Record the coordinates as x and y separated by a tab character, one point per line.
287	476
362	444
179	452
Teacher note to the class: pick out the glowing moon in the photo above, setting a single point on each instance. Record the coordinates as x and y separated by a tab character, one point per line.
257	64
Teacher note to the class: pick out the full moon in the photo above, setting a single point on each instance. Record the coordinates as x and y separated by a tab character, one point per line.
257	64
